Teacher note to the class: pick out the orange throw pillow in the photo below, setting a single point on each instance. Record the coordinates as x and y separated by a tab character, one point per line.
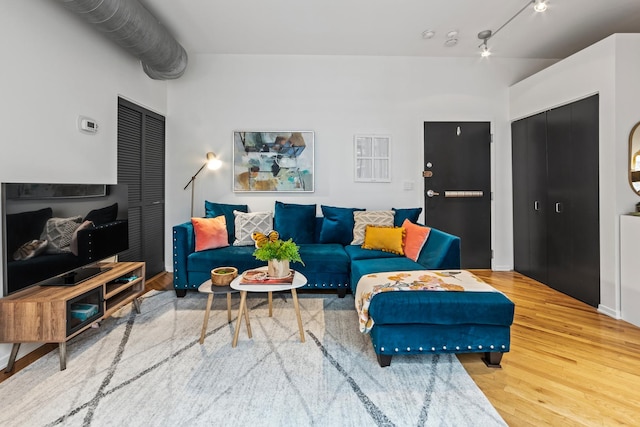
211	233
387	239
415	238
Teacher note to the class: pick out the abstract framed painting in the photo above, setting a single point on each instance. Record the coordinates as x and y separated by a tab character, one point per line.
273	161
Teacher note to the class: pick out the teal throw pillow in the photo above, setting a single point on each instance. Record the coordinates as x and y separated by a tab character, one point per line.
297	222
411	214
212	210
337	225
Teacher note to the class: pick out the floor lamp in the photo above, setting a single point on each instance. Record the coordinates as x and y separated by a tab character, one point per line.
212	163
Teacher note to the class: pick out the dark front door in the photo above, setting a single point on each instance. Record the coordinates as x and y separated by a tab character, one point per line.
457	185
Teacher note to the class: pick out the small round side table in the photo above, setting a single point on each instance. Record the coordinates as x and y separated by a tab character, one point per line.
207	288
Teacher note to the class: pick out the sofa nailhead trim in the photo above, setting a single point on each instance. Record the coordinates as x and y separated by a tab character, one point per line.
479	347
491	346
381	348
503	346
396	349
420	349
433	349
468	347
444	347
408	348
457	348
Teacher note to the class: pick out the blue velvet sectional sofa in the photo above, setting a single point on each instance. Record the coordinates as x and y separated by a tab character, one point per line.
405	322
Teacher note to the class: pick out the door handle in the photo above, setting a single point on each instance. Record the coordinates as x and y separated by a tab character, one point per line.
431	193
558	207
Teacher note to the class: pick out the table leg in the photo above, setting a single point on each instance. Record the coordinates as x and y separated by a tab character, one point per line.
228	308
206	318
270	298
243	302
12	357
246	317
294	295
62	348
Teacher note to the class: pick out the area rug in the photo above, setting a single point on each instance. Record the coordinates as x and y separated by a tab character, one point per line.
149	369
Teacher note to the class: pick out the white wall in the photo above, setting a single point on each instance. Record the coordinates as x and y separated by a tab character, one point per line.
336	97
54	68
609	68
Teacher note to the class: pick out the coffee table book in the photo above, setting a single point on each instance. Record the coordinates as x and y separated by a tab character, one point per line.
260	277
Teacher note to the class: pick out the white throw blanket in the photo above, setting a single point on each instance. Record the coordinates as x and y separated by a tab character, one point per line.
419	280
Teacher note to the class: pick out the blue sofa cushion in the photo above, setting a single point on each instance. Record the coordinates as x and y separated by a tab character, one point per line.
356	252
240	257
212	210
441	308
337	226
297	222
441	251
411	214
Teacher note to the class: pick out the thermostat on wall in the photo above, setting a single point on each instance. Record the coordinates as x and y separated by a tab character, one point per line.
87	125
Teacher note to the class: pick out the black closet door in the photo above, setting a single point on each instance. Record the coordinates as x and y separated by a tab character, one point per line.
585	218
573	220
538	205
521	205
560	157
141	159
530	196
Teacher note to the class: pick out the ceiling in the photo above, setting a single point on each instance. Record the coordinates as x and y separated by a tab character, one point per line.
392	27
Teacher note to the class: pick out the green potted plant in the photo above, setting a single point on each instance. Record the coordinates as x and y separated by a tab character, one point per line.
278	254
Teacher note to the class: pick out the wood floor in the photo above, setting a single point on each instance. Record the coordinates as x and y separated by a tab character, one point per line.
568	364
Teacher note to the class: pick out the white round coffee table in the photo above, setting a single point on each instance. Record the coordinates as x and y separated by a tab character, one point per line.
298	281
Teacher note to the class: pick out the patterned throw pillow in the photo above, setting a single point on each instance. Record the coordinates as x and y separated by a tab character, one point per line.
59	232
247	223
364	218
29	250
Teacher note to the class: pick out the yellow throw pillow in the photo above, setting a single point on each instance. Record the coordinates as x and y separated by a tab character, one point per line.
387	239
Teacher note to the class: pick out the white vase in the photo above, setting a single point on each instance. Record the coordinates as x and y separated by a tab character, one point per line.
278	268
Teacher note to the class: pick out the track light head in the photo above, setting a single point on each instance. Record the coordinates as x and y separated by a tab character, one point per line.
540	5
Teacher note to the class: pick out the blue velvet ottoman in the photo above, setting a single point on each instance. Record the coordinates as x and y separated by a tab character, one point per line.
434	322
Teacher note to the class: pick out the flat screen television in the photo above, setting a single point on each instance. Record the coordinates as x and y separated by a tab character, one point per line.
55	234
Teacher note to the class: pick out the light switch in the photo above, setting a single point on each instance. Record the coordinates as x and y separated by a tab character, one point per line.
408	185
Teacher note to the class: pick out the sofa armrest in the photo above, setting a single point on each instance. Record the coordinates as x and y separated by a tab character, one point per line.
103	241
441	251
183	245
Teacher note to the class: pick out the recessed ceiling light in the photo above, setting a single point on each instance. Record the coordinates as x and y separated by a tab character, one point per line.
428	34
452	34
450	42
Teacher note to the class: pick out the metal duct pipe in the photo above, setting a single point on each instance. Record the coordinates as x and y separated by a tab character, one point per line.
130	25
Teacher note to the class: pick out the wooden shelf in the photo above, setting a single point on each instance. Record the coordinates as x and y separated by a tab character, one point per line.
42	313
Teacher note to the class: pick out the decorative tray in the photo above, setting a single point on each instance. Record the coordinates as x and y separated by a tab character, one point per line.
260	277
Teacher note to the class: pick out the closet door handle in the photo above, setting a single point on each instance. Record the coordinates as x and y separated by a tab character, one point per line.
536	205
558	207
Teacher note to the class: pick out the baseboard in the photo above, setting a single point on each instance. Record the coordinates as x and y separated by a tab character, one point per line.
609	312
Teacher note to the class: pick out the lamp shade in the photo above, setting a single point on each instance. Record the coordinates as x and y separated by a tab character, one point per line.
213	162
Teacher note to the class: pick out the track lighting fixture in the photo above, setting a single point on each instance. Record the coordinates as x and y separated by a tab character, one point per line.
538	6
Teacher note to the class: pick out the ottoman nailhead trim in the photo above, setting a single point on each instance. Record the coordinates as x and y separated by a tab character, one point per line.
444	347
479	347
433	349
491	346
457	348
381	348
468	347
408	348
503	346
396	349
420	349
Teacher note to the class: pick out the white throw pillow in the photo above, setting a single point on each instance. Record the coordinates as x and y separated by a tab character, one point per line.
247	223
364	218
